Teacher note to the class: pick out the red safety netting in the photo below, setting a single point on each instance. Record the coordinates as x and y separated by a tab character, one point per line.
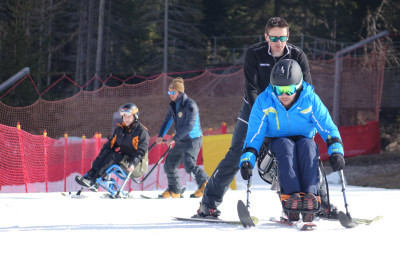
38	163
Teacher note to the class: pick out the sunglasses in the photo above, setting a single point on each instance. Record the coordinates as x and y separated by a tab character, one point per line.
276	38
171	92
286	89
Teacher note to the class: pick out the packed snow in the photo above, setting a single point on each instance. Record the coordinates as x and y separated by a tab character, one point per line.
49	229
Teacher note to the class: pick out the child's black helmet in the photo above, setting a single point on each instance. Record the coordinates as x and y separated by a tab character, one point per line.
129	108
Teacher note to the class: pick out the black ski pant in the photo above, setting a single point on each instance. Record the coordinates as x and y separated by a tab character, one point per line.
228	167
102	162
186	152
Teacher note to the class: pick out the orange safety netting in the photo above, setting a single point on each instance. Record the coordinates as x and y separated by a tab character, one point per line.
33	162
219	98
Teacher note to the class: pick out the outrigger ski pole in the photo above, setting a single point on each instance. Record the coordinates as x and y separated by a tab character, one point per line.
147	175
248	193
243	210
345	219
151	170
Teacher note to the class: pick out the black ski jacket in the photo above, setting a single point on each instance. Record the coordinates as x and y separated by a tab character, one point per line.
132	141
259	62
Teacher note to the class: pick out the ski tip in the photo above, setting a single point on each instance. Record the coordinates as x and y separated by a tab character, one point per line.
254	219
244	215
346	221
308	227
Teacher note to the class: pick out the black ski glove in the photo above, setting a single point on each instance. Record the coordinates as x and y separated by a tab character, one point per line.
337	162
246	170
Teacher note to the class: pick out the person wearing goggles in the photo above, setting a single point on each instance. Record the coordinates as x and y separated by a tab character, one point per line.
187	141
259	60
128	147
290	113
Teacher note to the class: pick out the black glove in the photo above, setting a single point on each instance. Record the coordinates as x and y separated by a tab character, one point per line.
246	170
337	162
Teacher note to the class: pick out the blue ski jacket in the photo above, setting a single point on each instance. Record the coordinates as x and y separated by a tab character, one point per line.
269	118
185	115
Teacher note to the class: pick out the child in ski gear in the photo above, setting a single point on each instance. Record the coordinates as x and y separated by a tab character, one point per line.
290	114
258	62
188	139
127	146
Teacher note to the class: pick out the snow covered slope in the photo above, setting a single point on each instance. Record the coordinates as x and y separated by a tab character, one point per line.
54	230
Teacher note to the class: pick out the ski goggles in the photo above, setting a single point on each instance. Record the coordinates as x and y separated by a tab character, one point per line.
286	89
127	111
171	92
276	38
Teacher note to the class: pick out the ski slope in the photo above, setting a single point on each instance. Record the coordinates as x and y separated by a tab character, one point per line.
49	229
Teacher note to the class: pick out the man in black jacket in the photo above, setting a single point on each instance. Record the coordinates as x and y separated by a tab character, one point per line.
259	60
127	146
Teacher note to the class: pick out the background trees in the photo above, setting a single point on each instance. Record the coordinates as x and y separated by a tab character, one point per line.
54	37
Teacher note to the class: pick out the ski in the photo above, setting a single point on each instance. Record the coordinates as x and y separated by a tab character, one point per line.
208	219
244	215
302	226
71	195
367	221
158	197
349	222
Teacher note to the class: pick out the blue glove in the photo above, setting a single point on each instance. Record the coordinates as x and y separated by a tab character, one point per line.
247	162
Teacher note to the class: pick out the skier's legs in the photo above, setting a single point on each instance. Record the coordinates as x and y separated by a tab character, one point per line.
225	172
285	152
103	161
307	159
172	162
190	160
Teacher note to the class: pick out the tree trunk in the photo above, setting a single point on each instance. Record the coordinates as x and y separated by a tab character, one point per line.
100	31
79	49
89	40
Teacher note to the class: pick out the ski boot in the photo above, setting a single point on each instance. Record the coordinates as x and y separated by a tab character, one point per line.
199	192
205	211
310	202
168	193
87	181
292	202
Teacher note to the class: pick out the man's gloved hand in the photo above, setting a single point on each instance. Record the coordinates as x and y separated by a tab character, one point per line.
337	162
247	162
129	162
246	170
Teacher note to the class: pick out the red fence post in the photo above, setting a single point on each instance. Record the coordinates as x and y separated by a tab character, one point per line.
223	128
22	156
45	161
65	160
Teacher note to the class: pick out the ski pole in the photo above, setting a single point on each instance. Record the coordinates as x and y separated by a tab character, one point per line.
344	192
248	193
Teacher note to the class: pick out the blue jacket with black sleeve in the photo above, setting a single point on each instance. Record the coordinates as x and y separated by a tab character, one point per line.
185	115
307	116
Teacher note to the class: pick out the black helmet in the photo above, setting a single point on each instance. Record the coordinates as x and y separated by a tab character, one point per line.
286	72
129	108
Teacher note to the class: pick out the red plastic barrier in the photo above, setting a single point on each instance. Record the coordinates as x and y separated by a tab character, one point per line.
357	140
37	163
